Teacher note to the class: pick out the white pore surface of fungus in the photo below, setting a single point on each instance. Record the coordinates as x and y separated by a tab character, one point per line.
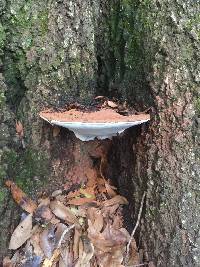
86	131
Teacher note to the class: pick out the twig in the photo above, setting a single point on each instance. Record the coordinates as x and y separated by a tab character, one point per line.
135	228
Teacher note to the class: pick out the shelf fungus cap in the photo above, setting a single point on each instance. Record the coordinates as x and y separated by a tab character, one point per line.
88	125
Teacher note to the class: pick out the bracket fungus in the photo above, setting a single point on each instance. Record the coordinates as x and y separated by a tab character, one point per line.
88	125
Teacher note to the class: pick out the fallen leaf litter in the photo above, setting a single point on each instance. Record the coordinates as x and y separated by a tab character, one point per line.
70	231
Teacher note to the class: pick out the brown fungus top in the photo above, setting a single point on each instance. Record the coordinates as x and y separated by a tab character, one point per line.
101	116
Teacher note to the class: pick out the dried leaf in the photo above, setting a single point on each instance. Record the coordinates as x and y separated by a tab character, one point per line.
56	193
43	213
106	240
96	218
52	260
110	211
88	192
87	253
34	261
112	104
15	257
80	201
74	194
61	233
117	221
56	131
115	200
61	198
113	258
110	190
133	257
118	236
76	244
19	129
21	198
54	220
78	211
44	201
62	212
7	262
21	233
66	259
47	241
35	242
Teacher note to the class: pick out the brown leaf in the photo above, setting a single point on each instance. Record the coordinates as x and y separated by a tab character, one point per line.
56	193
43	213
56	131
115	200
52	260
88	196
110	189
44	201
54	220
62	212
88	192
15	258
21	233
66	259
110	210
62	233
113	258
7	262
74	194
19	129
21	198
80	201
106	240
79	211
133	257
118	237
35	242
117	221
76	244
112	104
87	253
96	218
47	241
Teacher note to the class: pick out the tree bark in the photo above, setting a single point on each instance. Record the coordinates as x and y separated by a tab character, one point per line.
144	52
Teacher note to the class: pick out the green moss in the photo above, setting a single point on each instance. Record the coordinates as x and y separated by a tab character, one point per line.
2	36
13	80
125	28
197	105
2	98
27	23
43	19
192	24
30	22
28	169
3	194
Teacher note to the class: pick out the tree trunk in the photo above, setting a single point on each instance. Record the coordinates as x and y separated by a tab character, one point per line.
144	52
